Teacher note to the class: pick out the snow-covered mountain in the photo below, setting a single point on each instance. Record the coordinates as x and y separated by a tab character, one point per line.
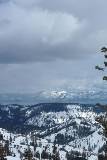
72	128
77	96
59	95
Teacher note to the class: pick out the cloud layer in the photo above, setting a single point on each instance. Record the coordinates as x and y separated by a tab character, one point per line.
29	32
38	30
49	44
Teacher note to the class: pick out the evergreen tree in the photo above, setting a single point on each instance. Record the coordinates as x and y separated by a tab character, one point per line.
55	154
103	120
28	155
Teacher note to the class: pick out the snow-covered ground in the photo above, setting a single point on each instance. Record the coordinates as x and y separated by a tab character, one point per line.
76	125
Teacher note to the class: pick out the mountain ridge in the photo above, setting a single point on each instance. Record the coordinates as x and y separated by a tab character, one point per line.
64	96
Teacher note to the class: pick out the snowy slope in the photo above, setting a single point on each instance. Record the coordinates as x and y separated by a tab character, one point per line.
72	127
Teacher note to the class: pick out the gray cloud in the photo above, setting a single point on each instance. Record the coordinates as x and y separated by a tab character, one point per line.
31	31
65	34
42	76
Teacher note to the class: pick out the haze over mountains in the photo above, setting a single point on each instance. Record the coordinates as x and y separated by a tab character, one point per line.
66	96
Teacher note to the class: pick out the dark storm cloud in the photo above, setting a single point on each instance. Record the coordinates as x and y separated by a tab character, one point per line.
39	30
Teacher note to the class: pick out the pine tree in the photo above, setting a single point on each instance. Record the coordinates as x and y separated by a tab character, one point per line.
55	154
103	120
28	154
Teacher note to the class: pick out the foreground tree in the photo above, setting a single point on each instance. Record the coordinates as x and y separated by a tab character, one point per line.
102	68
103	120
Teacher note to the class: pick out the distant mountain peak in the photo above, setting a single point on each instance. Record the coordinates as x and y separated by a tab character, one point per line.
54	94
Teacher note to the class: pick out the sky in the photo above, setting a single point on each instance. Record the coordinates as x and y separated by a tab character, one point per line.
46	44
